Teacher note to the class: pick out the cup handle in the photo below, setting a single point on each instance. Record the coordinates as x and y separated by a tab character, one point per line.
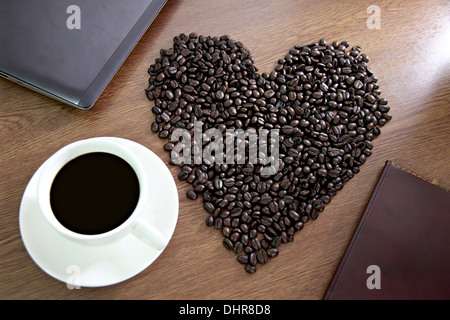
149	234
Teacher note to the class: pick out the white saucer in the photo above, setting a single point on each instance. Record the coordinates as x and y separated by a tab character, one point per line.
86	266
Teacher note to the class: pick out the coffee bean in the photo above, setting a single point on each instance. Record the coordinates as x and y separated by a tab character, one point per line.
323	99
250	268
252	259
228	244
168	146
229	182
273	206
238	247
256	244
298	226
266	198
155	126
371	98
294	215
262	256
273	252
383	108
191	194
313	151
209	207
163	134
226	231
219	95
183	175
209	221
287	129
242	259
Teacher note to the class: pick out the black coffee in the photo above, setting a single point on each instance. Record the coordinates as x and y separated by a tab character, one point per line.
94	193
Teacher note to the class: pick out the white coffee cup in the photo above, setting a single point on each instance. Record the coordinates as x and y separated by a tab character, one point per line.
134	225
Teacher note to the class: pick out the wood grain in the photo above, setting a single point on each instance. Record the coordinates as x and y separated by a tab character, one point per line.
410	54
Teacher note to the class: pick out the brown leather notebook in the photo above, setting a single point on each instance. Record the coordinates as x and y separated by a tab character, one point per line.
401	247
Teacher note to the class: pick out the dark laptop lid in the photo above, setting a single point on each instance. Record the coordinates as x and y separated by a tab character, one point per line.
67	53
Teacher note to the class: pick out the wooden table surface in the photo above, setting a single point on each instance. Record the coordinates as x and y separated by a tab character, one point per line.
410	54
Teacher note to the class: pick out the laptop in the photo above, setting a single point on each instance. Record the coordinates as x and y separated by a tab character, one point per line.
70	49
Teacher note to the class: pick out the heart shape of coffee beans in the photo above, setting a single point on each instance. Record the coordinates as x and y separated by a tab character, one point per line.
324	100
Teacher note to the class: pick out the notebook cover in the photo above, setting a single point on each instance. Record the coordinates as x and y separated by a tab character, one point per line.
401	247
